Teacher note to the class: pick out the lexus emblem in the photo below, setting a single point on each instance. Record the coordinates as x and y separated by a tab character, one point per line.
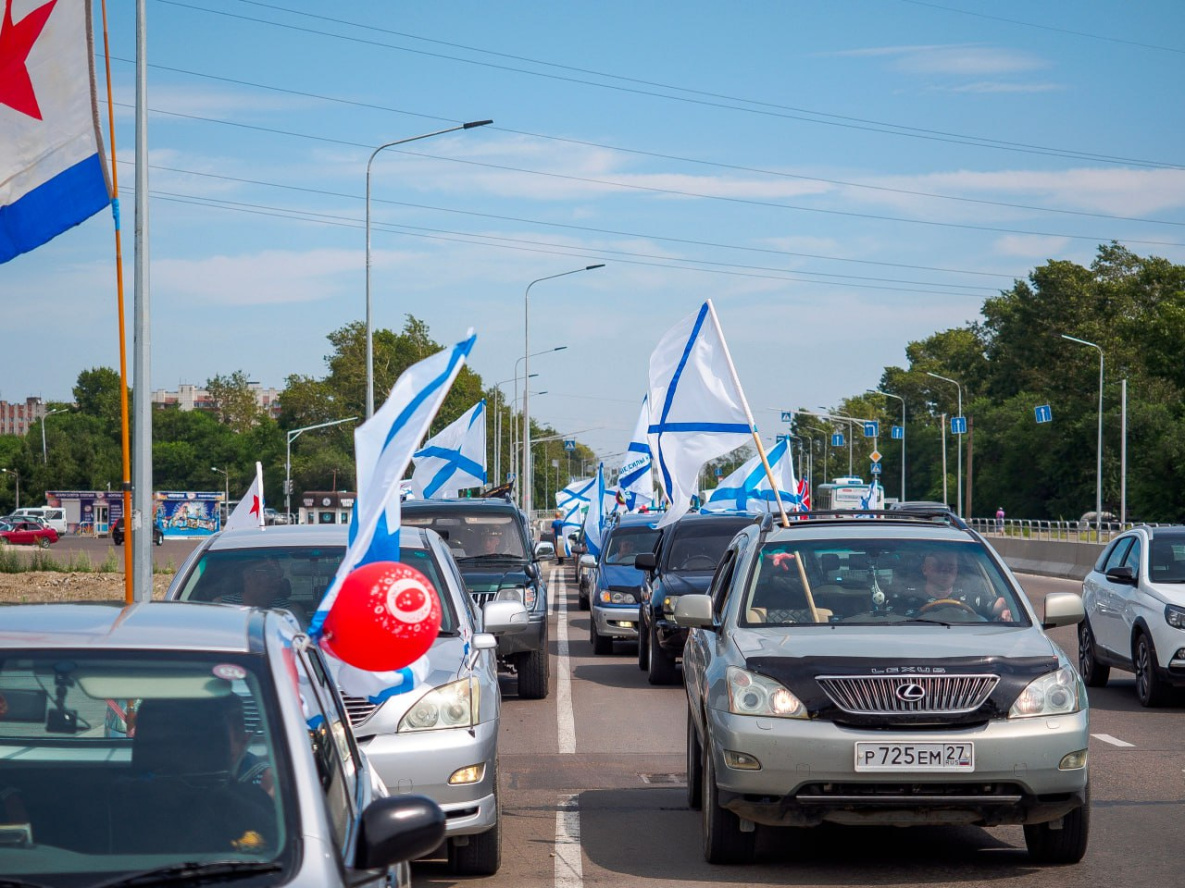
910	693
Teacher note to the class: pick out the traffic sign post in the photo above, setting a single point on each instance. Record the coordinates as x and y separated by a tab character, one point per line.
1044	413
569	444
897	433
875	469
872	429
958	425
837	439
787	416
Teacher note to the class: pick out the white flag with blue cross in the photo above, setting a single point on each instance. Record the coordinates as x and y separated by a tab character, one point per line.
454	459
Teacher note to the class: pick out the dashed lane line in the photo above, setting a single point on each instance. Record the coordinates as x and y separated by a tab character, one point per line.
569	862
1114	741
565	719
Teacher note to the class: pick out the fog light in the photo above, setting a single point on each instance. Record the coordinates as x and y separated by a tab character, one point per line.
626	624
463	776
1074	761
742	761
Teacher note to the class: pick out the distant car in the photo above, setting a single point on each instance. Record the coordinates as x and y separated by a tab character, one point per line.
919	506
1090	519
616	584
53	516
158	534
1135	613
241	766
271	516
27	532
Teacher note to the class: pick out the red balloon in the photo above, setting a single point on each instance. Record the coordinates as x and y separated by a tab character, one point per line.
386	616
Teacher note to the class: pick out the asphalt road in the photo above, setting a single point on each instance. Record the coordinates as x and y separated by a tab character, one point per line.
593	793
167	556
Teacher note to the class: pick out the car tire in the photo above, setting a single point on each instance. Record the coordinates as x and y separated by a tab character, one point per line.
1151	689
43	542
1094	673
643	644
482	856
723	840
585	604
533	674
660	666
1064	845
159	539
695	766
601	644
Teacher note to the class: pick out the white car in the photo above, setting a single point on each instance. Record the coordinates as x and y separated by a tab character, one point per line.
1135	613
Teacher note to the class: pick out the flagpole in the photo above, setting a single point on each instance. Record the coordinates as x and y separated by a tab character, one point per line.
124	424
769	472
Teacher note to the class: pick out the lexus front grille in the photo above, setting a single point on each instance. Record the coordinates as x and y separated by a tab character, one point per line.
908	694
359	709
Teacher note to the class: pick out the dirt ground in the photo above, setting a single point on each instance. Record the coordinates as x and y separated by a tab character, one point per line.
50	586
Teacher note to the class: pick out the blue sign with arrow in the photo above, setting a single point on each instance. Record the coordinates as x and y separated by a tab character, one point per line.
872	429
897	433
837	439
958	425
1044	413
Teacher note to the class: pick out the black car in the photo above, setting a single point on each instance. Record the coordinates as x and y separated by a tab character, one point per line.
158	535
687	554
491	543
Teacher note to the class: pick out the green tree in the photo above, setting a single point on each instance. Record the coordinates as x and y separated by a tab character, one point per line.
234	401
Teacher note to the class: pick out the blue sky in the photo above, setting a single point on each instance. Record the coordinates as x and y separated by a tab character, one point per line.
840	178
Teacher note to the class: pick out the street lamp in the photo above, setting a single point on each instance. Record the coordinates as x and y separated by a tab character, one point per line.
851	421
16	475
959	449
499	403
1098	478
293	434
527	370
902	400
44	417
226	475
515	402
369	327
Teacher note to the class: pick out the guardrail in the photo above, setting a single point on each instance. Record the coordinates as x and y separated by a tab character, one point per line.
1066	531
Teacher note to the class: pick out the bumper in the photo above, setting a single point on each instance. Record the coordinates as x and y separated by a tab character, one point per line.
422	763
533	638
808	774
616	622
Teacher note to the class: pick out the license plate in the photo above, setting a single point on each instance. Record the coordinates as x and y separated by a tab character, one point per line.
915	756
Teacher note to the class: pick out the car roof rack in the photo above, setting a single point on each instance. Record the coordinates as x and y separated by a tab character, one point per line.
926	516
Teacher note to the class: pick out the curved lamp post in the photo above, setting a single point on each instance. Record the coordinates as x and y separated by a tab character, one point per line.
44	417
902	400
959	449
1098	478
369	327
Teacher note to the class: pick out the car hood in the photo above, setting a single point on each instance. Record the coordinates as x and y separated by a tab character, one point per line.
446	661
685	583
623	576
1169	593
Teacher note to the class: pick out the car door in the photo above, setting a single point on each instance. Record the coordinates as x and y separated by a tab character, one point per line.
700	650
1131	602
1106	619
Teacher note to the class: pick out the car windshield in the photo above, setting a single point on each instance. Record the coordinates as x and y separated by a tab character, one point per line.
118	762
877	582
627	542
1166	561
474	536
697	548
294	578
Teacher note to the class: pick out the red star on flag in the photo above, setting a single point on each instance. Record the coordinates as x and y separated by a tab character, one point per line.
16	42
255	505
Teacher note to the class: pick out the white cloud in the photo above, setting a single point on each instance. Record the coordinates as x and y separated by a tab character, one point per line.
960	59
269	277
1031	247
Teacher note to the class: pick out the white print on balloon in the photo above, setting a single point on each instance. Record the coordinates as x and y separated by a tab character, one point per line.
408	601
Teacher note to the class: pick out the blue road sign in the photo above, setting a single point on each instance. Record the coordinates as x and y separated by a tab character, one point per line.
787	416
958	425
872	429
1044	413
875	469
781	438
897	433
837	439
569	444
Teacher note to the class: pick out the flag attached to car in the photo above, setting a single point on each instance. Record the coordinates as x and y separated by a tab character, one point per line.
249	511
53	173
454	459
633	478
748	488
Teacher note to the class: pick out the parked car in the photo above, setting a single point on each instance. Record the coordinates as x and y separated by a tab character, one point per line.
158	533
51	516
880	672
440	737
271	516
616	584
684	562
241	765
491	542
1090	519
1135	613
27	532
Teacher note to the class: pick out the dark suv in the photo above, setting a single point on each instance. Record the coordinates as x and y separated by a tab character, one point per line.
491	542
687	554
158	535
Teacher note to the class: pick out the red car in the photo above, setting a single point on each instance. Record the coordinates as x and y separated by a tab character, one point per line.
27	533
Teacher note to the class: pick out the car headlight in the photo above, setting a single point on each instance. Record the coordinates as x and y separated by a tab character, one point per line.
1174	616
615	597
522	594
668	605
753	694
454	705
1056	693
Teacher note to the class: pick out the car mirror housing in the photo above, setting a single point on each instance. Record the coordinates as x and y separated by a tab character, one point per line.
484	641
646	561
588	561
1122	574
694	611
531	570
505	617
1062	609
398	828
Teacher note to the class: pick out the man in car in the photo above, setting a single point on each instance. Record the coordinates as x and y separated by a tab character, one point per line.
940	571
261	585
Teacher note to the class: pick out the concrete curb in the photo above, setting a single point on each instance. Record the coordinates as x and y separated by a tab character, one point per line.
1049	558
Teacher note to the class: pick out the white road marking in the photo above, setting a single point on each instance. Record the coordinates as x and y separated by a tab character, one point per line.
569	862
1114	741
565	718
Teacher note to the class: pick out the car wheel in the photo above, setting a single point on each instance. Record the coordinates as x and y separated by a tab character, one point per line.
643	645
1066	844
695	766
482	856
723	840
600	644
1151	689
43	542
1094	673
585	604
660	666
159	539
533	674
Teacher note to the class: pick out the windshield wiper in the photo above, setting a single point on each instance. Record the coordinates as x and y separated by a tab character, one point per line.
925	620
492	556
193	872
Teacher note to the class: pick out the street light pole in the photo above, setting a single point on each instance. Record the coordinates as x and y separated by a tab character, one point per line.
526	357
902	400
369	325
293	434
44	451
17	476
225	473
501	400
959	448
527	370
1098	478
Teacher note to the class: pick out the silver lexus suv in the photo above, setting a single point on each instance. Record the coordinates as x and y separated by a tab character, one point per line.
882	669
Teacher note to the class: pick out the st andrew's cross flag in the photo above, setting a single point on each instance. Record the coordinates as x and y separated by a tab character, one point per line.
454	459
633	478
573	501
594	521
249	511
748	489
53	174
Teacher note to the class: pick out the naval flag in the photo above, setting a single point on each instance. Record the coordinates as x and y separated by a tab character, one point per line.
748	488
633	478
249	511
454	459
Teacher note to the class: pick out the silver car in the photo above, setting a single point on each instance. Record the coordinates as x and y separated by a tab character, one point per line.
440	738
156	743
892	671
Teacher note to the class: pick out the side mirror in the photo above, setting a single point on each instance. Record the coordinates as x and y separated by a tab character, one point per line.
484	641
1122	574
398	828
1063	609
646	561
544	549
531	570
504	617
587	561
695	610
